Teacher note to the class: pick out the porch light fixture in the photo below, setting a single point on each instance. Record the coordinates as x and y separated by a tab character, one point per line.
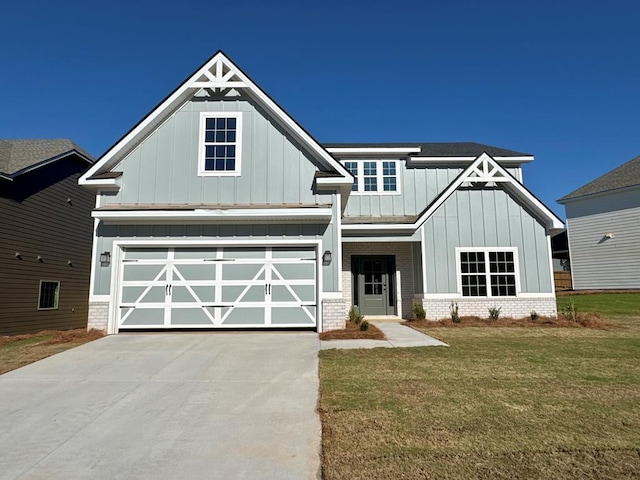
105	259
326	258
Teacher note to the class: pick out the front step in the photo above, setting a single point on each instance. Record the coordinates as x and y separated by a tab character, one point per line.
383	318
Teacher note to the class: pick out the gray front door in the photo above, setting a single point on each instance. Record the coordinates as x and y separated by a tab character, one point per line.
374	289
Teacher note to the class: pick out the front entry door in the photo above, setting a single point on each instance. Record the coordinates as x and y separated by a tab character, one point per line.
374	288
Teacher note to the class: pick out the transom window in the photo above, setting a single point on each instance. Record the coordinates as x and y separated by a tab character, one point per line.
488	273
373	176
220	135
49	295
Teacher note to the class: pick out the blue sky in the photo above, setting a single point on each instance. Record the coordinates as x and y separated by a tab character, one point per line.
558	79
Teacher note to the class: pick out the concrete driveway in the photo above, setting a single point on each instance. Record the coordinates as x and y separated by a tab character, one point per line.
166	406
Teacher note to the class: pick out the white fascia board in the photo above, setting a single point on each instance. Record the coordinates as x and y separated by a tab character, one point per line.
441	160
373	150
383	227
334	181
102	184
189	88
299	215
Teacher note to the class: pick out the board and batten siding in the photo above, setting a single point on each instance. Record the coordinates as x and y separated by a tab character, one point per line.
37	220
163	169
598	262
418	185
485	218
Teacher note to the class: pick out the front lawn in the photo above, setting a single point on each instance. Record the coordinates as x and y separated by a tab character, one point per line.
535	403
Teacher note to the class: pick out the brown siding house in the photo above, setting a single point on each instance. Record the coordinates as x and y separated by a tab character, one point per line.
45	236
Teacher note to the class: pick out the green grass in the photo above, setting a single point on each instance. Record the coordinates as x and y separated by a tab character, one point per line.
610	305
499	403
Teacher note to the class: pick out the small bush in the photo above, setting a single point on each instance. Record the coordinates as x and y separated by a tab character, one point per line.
453	308
571	311
534	315
418	311
354	315
494	313
364	325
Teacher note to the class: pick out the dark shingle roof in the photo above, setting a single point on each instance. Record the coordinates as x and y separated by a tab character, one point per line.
16	155
438	149
626	175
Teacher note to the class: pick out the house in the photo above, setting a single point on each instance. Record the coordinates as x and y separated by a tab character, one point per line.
603	226
219	210
45	236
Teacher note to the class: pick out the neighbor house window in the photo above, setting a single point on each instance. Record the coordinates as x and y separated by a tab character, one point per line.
220	146
488	273
373	176
49	294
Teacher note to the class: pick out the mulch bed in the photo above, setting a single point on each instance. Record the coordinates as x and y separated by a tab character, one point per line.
583	320
54	337
353	332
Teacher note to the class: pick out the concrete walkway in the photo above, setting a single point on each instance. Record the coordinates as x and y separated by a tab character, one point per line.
166	406
397	335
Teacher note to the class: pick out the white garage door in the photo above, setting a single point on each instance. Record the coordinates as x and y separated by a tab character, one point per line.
217	287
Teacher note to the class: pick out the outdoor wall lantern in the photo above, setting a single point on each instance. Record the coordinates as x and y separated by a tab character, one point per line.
105	259
326	258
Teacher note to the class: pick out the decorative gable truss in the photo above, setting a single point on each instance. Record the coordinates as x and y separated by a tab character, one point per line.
217	77
486	170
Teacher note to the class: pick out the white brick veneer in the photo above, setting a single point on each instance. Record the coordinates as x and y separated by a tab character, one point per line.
334	314
404	271
475	306
98	316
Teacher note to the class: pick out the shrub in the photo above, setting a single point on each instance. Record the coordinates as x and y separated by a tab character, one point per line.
534	315
364	325
571	311
354	315
453	308
494	313
418	311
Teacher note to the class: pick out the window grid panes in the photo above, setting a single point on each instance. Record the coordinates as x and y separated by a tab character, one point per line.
220	137
352	167
369	170
492	271
373	175
49	295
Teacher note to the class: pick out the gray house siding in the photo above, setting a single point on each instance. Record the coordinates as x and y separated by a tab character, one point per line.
163	168
485	218
598	262
37	220
419	186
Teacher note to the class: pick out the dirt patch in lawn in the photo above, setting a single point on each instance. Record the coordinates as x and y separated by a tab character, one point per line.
353	332
19	350
582	320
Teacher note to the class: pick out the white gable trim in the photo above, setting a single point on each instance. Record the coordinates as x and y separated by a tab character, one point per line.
217	73
456	160
483	169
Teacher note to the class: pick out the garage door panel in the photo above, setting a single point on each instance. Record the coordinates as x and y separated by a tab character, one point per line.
220	287
143	272
190	316
245	316
293	316
242	271
144	317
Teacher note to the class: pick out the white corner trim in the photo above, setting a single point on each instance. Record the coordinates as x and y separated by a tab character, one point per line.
257	214
331	295
99	298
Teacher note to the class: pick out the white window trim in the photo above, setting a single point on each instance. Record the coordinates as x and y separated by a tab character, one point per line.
40	294
201	145
486	250
379	175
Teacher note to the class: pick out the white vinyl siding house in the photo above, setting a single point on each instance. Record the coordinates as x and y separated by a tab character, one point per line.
219	211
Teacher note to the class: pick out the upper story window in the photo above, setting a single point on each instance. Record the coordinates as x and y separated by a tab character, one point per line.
374	176
487	272
220	145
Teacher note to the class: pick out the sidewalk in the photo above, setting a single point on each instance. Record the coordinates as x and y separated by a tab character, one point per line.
397	335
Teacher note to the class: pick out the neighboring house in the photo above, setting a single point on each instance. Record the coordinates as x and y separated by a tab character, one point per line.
219	210
45	236
603	225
